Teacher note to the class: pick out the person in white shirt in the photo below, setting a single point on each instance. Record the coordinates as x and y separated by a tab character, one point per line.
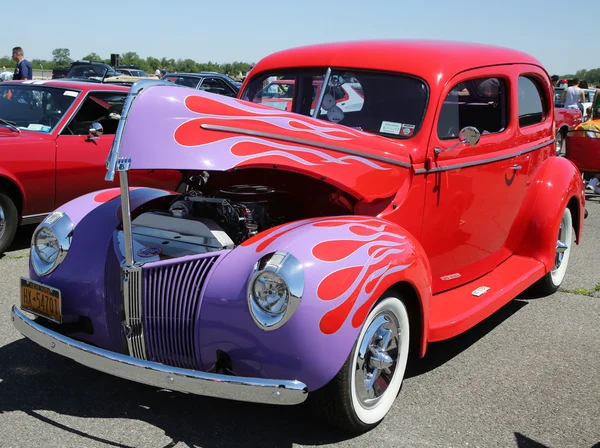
157	72
573	97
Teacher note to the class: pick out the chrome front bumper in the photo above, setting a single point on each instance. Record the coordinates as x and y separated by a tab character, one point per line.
256	390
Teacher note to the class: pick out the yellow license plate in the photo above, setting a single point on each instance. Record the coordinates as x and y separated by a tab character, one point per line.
41	300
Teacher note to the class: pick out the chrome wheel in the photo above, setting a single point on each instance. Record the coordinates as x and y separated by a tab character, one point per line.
377	358
2	222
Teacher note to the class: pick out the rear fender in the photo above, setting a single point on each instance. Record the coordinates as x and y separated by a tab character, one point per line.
557	184
348	263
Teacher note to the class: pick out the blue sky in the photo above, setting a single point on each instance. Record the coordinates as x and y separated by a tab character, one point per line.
246	30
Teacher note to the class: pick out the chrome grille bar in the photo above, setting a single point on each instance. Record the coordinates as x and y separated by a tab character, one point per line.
132	304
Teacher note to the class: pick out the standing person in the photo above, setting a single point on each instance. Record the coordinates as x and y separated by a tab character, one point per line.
573	97
23	70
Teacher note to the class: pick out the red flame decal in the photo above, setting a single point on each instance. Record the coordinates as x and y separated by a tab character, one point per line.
382	245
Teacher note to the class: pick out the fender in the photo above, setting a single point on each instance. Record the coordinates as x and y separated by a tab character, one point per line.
348	263
557	184
81	276
7	176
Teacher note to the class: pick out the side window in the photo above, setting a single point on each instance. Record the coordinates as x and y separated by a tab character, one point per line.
479	102
214	85
531	104
102	107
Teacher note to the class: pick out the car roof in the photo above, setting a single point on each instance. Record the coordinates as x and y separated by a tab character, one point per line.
433	60
67	83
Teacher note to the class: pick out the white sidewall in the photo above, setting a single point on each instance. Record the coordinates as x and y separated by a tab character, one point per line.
558	275
374	415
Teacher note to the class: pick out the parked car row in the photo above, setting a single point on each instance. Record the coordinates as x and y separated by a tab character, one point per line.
303	240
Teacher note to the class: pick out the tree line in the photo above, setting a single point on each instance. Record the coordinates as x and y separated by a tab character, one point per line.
591	76
61	58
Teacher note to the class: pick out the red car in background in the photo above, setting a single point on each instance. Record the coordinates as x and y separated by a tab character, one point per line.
566	120
54	140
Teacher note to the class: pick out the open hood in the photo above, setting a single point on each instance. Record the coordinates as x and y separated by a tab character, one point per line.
173	127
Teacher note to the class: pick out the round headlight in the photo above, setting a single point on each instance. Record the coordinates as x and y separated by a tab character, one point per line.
46	245
271	292
275	289
51	242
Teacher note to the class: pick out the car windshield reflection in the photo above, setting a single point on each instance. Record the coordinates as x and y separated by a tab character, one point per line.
34	108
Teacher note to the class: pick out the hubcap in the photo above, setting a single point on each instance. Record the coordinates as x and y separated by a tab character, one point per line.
2	222
376	361
561	245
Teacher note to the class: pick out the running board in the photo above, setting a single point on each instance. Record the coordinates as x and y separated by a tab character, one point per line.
455	311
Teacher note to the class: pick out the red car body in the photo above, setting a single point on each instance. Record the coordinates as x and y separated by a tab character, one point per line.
39	171
490	211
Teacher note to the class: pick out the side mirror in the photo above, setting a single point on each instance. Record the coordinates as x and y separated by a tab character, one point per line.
95	131
468	135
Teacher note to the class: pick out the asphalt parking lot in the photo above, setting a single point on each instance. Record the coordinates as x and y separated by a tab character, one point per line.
529	376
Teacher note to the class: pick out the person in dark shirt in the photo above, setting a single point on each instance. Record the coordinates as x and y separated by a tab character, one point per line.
23	70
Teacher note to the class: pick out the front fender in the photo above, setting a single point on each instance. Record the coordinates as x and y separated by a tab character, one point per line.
89	287
557	184
348	263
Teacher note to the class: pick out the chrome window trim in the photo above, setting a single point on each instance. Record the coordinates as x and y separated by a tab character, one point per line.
216	127
230	387
458	166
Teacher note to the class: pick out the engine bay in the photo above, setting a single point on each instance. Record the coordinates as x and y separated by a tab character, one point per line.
217	211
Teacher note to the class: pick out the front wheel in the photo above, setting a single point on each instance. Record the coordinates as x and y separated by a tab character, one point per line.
364	390
553	279
8	222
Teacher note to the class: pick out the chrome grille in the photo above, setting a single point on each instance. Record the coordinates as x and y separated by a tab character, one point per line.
172	296
132	300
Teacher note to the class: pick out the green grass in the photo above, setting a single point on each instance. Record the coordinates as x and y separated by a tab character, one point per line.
25	255
583	291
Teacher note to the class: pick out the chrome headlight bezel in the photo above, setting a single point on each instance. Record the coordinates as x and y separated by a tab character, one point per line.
284	266
61	226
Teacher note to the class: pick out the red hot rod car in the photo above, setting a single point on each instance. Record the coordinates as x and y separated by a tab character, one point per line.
313	249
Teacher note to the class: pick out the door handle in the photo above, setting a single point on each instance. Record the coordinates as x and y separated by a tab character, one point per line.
516	167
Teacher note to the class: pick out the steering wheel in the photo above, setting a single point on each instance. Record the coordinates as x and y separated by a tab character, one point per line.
50	119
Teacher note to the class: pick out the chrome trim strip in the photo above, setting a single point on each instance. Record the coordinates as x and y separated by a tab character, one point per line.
132	304
216	127
33	219
458	166
136	88
255	390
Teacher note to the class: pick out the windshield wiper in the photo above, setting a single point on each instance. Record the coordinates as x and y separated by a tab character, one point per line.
10	125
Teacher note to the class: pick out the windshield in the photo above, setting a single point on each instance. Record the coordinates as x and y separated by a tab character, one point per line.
34	108
390	105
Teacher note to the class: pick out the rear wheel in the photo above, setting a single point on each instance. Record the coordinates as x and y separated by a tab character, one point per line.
553	279
8	222
364	390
